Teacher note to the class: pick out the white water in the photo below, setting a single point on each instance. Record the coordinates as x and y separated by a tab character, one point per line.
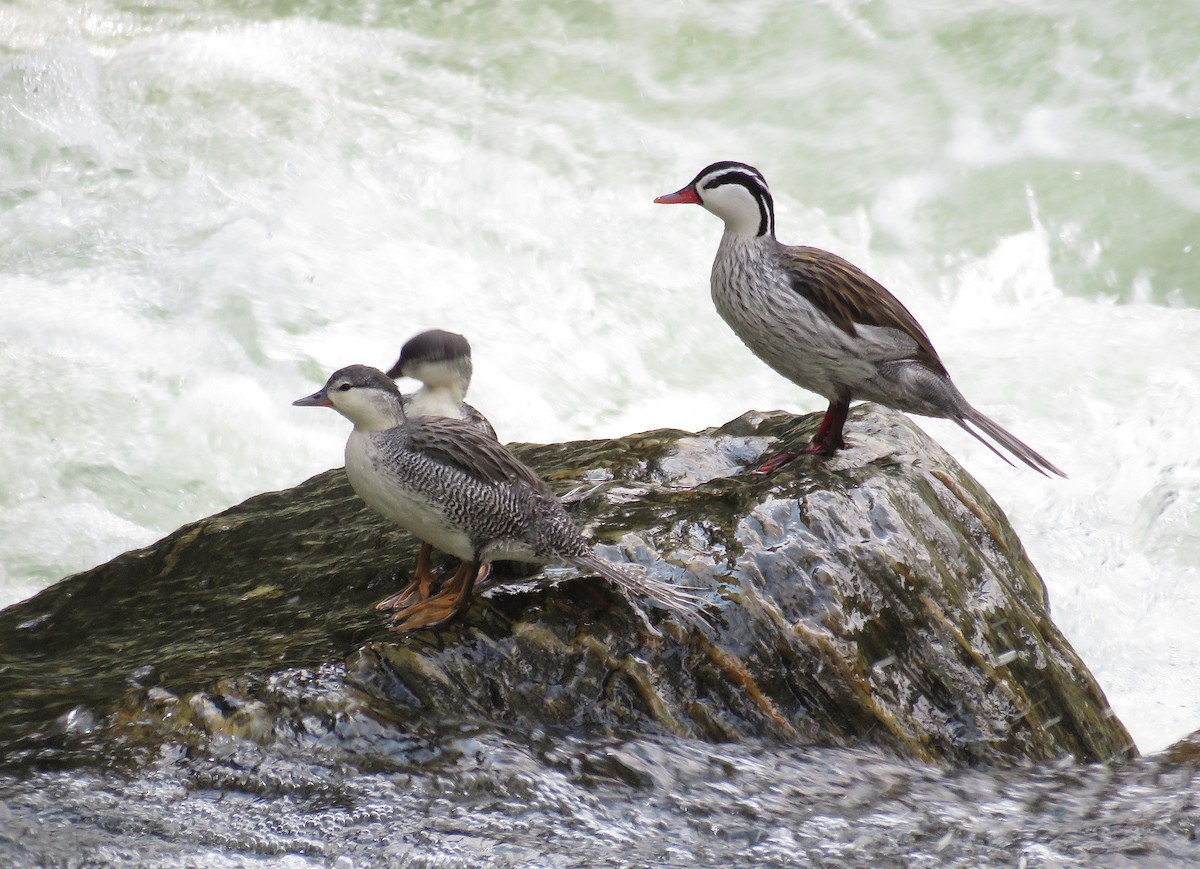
204	210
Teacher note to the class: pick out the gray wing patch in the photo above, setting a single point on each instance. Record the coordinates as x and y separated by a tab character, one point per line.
461	445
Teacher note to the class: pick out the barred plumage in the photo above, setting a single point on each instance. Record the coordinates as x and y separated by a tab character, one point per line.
441	361
822	322
462	492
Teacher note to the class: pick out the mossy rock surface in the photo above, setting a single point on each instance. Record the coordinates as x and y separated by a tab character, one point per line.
879	597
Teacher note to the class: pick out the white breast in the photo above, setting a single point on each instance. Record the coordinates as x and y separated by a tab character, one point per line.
435	402
408	508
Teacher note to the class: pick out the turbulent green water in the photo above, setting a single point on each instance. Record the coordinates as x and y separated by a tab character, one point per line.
206	207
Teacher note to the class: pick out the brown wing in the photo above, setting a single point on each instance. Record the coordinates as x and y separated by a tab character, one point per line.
850	297
458	443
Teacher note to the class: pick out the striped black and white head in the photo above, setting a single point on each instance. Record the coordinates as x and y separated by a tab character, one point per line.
364	395
734	192
439	359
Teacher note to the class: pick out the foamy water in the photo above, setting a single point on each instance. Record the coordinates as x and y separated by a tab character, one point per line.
203	212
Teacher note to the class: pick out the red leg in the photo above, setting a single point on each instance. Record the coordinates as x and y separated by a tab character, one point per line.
827	441
776	462
829	438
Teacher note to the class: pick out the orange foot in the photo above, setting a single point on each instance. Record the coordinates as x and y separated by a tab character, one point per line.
417	590
442	607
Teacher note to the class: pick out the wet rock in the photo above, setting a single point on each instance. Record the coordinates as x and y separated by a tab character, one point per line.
879	597
1185	751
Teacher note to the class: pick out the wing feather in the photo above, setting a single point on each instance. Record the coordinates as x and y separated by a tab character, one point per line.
850	297
461	445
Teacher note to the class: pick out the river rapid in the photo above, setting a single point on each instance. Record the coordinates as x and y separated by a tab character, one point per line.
205	207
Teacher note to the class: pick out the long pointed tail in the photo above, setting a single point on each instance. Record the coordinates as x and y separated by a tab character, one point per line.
1017	447
632	579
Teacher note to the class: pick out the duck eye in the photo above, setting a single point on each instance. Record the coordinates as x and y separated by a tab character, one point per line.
345	387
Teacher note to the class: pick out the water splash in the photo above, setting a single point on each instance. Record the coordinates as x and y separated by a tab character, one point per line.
203	211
